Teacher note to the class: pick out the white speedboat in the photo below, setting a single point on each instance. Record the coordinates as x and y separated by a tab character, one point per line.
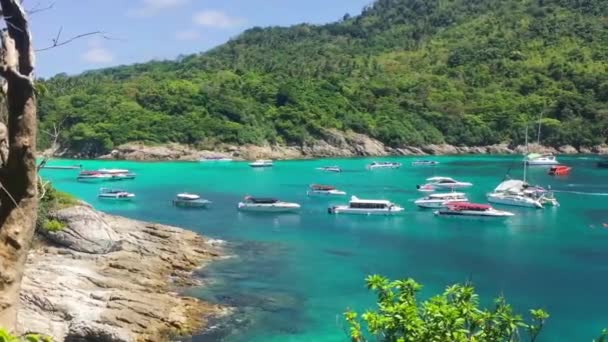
215	159
471	209
188	200
536	159
324	190
330	169
93	176
425	163
359	206
445	183
117	174
515	193
440	200
261	163
270	205
115	194
383	165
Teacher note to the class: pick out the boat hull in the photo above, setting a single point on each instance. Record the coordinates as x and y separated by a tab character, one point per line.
544	162
365	212
515	202
425	204
453	186
474	214
313	193
260	166
269	208
116	198
191	204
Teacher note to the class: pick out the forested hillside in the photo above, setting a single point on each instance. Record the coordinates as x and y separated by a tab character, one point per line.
406	72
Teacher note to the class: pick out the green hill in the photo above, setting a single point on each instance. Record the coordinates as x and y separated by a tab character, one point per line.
406	72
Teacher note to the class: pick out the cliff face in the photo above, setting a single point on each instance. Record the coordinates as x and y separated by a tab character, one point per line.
107	278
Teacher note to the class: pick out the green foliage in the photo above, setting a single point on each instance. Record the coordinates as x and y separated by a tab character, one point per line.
404	71
5	336
53	200
53	225
454	315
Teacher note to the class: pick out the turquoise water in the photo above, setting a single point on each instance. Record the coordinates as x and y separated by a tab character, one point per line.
296	273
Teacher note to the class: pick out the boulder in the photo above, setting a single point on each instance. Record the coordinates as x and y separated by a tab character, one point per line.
91	331
499	149
567	149
85	231
440	149
600	149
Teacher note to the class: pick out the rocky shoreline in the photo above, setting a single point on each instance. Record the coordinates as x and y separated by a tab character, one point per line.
108	278
332	144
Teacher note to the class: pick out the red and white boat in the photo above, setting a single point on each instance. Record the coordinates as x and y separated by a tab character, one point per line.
471	209
560	170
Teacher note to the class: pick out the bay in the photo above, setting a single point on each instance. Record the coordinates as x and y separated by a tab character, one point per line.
295	274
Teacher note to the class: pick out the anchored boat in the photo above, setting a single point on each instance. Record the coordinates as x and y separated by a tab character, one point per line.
559	170
261	163
115	194
536	159
330	169
471	209
425	163
324	190
444	183
187	200
383	165
440	200
359	206
270	205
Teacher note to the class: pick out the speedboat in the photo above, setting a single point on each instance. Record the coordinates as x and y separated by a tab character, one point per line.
424	163
115	194
471	209
324	190
516	193
261	163
559	170
441	200
117	174
330	169
93	176
188	200
359	206
271	205
215	159
445	183
537	159
383	165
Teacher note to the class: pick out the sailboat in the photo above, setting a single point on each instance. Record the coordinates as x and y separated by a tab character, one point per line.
521	194
539	159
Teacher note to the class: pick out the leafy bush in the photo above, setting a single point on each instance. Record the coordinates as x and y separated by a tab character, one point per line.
53	225
52	200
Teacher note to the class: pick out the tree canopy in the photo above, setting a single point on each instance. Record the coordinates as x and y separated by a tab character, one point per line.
406	72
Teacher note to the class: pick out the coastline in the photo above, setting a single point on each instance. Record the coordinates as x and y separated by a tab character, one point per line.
106	277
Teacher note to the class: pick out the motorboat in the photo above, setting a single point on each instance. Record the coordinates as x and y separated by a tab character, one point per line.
440	200
93	176
425	163
517	193
271	205
324	190
536	159
114	171
359	206
261	163
383	165
188	200
471	209
117	174
115	194
215	159
330	169
559	170
444	183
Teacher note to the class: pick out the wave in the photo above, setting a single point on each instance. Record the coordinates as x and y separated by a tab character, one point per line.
582	193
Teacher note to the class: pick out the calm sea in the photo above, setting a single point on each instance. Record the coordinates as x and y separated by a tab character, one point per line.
295	274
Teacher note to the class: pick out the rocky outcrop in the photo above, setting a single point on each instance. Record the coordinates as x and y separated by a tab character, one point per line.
120	288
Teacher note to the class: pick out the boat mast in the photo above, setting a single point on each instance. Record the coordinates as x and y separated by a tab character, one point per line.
540	118
525	156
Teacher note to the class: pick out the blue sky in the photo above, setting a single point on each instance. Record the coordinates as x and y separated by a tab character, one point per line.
142	30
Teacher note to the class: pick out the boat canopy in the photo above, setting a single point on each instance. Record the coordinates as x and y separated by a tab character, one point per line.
511	185
468	206
447	195
322	187
355	199
260	200
188	197
439	179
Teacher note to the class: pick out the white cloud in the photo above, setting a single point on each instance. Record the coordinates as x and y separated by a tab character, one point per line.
187	35
217	19
153	7
97	53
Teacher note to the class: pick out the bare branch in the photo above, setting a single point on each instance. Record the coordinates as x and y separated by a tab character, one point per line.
38	9
57	42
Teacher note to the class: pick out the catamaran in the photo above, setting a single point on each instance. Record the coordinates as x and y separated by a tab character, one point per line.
261	163
115	194
324	190
441	200
271	205
383	165
471	209
188	200
443	183
359	206
536	159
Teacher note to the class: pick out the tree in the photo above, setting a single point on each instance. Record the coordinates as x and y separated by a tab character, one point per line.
454	316
18	174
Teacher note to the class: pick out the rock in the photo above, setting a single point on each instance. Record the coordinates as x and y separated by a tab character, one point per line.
600	149
535	148
440	149
585	150
126	294
567	149
85	231
499	149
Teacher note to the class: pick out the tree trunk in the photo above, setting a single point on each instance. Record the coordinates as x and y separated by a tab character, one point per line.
18	175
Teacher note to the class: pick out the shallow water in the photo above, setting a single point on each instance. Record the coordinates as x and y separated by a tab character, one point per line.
296	273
